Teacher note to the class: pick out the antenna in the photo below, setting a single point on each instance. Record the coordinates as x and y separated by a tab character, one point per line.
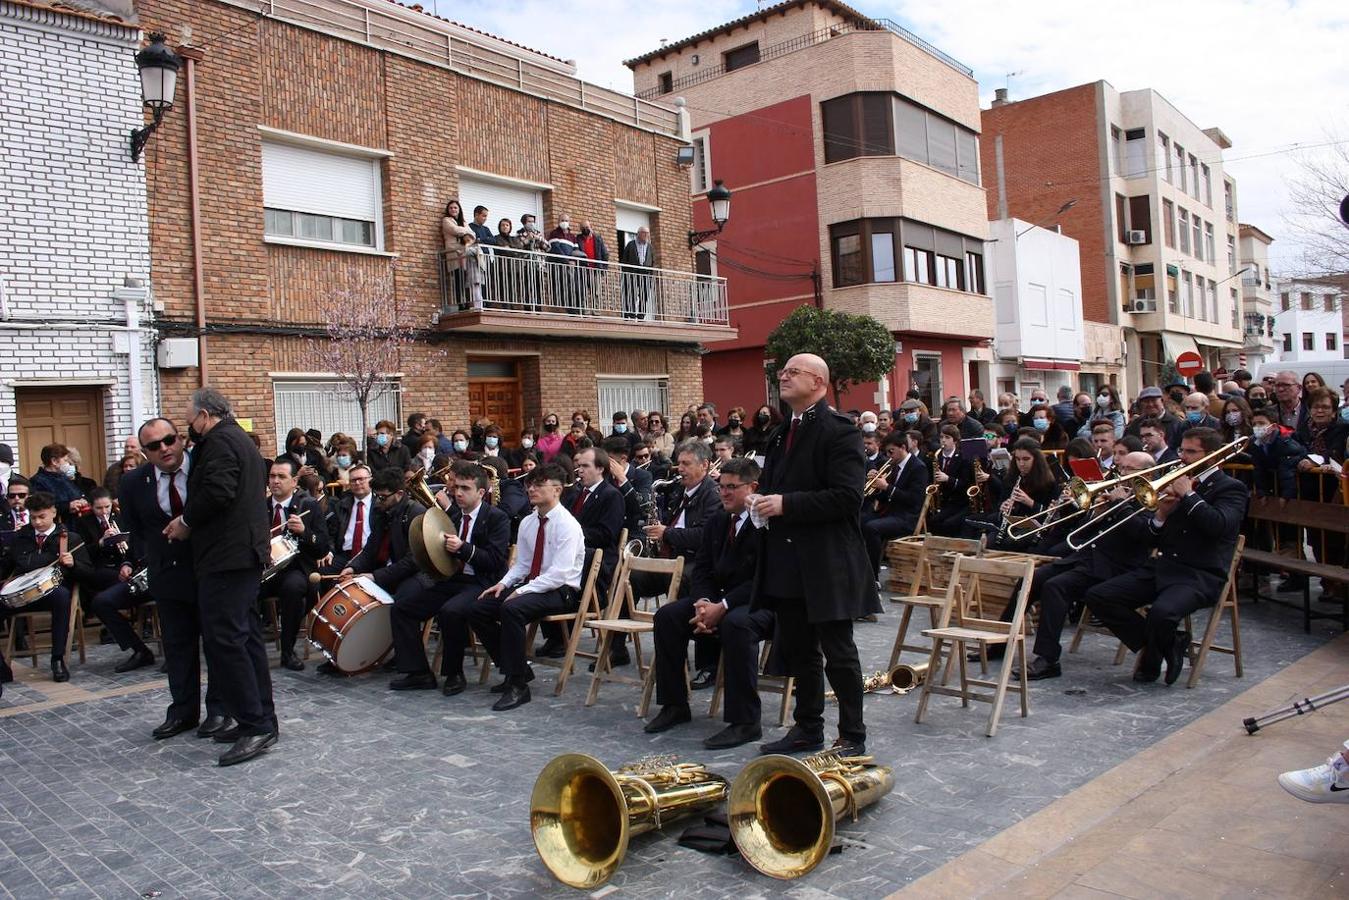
1011	75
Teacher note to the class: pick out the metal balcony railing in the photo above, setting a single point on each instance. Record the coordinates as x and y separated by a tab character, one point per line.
494	279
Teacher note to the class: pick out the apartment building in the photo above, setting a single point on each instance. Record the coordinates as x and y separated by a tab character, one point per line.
1144	192
850	146
1308	324
304	172
1257	305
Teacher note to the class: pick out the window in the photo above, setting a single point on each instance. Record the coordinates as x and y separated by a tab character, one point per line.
857	125
1212	301
745	55
917	265
1328	302
870	251
875	124
630	393
1308	341
1145	284
1169	223
927	379
666	82
1198	237
910	130
1194	177
1228	202
503	199
1186	295
948	273
329	406
882	257
1284	301
1180	166
1140	216
1135	152
700	173
1331	339
312	195
1287	342
1117	149
1183	226
967	156
1231	255
1210	249
1201	306
1208	186
974	272
1306	300
1236	305
848	260
1164	157
1172	294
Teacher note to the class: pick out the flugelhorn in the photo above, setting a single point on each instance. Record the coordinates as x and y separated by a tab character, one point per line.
782	810
582	815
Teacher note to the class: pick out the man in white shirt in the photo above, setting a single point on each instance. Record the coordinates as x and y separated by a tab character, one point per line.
349	524
545	580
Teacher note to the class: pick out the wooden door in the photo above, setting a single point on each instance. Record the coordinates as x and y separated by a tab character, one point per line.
498	400
70	416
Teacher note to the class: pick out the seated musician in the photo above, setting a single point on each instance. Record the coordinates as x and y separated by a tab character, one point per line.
724	447
899	501
291	511
545	580
105	557
632	481
37	545
1152	432
1027	488
1194	529
350	520
386	557
1103	442
721	580
871	448
110	585
481	542
506	494
952	474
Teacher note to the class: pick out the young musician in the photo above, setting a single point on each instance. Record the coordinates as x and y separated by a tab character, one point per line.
952	474
387	557
301	517
1028	488
900	502
114	564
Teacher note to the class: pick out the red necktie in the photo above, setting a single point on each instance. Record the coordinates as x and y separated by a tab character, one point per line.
579	502
384	546
536	564
175	498
356	537
730	536
276	516
41	539
464	526
791	435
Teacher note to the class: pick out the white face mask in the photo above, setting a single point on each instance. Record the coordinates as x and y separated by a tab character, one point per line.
68	470
527	443
869	427
428	453
1103	401
1261	431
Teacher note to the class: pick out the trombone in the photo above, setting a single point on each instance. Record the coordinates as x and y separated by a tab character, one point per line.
1083	495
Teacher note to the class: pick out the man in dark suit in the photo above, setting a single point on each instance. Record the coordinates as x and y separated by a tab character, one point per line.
14	517
1152	404
1194	529
1154	435
638	287
718	603
953	474
633	483
813	571
900	501
151	496
351	520
292	512
386	557
481	542
226	521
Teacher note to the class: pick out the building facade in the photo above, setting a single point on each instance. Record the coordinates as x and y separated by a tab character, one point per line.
1257	305
74	273
1143	191
851	149
1308	323
302	178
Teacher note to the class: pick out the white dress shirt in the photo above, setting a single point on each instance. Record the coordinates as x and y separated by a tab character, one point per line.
162	487
564	552
468	538
350	536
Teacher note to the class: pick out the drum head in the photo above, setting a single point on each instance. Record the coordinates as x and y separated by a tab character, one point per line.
25	581
365	641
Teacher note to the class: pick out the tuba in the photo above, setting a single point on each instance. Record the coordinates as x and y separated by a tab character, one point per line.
582	815
782	810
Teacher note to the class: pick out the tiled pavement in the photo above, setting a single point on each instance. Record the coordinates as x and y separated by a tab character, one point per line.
371	793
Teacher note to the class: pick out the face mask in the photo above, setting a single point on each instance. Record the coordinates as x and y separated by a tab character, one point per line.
1344	413
430	453
763	418
193	434
68	470
527	443
343	460
585	232
1233	418
869	427
1257	402
1194	416
550	426
1260	431
564	225
1010	428
1041	424
492	443
1177	396
620	428
382	439
1103	401
734	423
911	417
460	446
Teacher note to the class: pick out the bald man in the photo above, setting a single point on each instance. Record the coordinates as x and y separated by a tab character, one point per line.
813	570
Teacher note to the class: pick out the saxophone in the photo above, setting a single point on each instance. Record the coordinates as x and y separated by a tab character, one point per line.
645	546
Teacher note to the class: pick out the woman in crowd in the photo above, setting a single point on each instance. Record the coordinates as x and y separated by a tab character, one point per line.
343	458
658	433
766	418
1236	422
686	428
298	449
460	446
1043	420
734	427
551	439
1256	396
1312	381
515	456
457	237
1108	407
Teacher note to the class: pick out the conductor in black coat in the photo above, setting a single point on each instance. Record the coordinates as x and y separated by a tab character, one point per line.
813	571
292	512
1195	530
226	521
151	496
899	503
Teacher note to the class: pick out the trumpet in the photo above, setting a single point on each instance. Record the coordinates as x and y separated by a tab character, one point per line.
879	479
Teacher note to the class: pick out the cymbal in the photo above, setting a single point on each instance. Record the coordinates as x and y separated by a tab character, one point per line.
418	548
436	524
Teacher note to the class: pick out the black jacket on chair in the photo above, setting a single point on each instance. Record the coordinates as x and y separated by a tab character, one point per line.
1196	543
723	570
314	540
697	508
169	562
225	510
401	563
489	547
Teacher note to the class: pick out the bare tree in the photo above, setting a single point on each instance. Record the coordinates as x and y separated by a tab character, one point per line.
1315	190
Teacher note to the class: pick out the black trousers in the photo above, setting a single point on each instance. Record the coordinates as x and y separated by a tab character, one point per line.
235	652
501	622
949	521
737	638
885	528
1116	603
813	651
294	598
1055	588
180	626
109	603
706	649
58	604
450	601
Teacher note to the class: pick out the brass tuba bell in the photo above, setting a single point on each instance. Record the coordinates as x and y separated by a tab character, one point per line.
582	815
782	810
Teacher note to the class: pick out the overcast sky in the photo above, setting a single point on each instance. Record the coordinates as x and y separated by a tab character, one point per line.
1269	73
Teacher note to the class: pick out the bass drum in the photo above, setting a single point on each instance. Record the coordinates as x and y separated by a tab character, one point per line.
351	625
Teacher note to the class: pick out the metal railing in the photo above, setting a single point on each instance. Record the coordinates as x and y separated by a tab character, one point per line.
495	279
818	36
398	30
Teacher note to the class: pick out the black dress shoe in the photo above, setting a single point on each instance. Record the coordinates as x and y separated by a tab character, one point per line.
227	735
292	662
59	671
1040	669
454	684
499	687
1292	583
797	740
617	658
514	695
1175	656
137	660
390	665
172	726
849	747
706	678
995	652
733	736
552	649
247	747
214	725
327	668
668	717
417	681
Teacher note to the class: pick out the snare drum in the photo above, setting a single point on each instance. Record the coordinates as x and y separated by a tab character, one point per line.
351	625
30	587
285	547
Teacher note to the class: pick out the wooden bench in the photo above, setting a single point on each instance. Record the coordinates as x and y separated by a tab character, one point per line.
1328	517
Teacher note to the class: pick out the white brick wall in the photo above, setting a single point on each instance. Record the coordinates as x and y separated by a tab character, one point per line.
73	221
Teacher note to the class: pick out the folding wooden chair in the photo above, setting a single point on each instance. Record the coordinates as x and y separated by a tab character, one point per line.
782	685
641	622
30	620
1199	650
982	632
934	599
572	624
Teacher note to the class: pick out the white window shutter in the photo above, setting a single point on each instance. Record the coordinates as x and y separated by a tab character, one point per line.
302	179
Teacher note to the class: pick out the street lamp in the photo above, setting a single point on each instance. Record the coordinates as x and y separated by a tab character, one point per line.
719	199
158	66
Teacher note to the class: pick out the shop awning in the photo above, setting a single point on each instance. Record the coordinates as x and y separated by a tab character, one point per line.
1062	365
1173	345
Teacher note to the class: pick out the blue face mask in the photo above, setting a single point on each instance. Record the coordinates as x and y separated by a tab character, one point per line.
1010	428
1344	413
620	428
491	443
343	460
382	439
1041	424
1194	416
911	417
460	446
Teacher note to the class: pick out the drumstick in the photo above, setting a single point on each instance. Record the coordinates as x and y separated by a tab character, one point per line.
277	528
315	577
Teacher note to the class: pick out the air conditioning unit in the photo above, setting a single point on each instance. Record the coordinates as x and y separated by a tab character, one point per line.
1143	306
1133	238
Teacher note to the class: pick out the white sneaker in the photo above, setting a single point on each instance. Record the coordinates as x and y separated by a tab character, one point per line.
1322	784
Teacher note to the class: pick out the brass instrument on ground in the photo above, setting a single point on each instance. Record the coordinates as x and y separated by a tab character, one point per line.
900	680
582	815
644	546
782	810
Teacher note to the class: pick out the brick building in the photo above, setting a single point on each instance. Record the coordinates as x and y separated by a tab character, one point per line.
314	146
73	226
851	148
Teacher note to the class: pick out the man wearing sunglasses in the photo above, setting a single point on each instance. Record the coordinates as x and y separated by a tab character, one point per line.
151	496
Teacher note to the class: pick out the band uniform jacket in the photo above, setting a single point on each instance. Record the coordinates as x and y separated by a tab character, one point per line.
815	549
169	562
101	555
698	507
960	474
314	540
1124	549
1196	543
903	497
27	557
489	547
339	519
395	523
722	569
601	517
230	530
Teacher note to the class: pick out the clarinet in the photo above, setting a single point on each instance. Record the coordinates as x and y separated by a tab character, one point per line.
1006	523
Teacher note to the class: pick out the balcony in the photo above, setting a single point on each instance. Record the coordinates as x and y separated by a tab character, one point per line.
514	292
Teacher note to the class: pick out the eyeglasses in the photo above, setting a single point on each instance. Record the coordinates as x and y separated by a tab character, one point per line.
382	497
793	372
16	496
167	440
727	488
